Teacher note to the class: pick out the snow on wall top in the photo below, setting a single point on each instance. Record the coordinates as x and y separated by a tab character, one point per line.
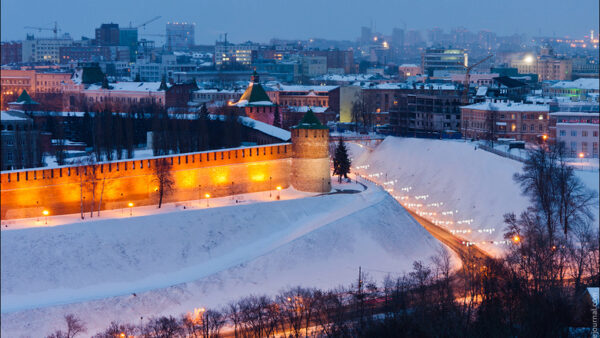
266	128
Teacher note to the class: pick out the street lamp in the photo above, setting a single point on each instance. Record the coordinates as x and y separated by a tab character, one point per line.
45	213
270	193
130	209
516	238
278	192
207	197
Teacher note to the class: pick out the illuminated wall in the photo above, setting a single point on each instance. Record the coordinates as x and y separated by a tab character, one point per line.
310	162
27	193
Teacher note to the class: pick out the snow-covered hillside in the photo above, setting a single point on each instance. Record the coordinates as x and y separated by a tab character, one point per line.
176	261
464	189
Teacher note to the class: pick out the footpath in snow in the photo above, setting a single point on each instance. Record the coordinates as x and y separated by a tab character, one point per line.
171	262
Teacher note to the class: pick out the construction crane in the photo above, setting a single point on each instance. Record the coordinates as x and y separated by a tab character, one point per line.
465	94
55	29
147	22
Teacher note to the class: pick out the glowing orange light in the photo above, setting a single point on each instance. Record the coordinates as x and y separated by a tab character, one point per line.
278	187
516	239
581	155
130	204
45	212
207	195
545	137
122	335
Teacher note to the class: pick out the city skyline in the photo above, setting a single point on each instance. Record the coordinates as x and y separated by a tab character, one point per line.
248	21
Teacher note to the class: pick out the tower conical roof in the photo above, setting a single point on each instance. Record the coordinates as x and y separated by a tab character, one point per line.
24	98
255	94
310	121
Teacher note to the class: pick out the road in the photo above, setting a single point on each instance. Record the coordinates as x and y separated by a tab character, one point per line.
452	241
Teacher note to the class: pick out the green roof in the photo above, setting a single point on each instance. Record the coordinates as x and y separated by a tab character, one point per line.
24	98
255	91
310	121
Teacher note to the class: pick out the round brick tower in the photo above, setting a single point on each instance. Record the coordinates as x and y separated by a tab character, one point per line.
310	159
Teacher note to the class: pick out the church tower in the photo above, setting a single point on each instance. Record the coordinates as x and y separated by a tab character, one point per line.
310	155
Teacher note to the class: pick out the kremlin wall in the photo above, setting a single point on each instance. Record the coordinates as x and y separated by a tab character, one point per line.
303	164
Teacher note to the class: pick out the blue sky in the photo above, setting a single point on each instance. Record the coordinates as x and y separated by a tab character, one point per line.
260	20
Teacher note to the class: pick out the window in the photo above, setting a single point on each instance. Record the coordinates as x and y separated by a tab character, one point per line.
595	133
584	133
584	147
563	133
573	132
573	147
532	128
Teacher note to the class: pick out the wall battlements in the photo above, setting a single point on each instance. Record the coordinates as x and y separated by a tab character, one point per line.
26	193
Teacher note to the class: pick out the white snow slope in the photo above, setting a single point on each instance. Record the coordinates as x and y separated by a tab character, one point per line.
200	258
465	190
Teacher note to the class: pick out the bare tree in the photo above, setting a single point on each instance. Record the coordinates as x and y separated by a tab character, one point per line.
164	178
74	327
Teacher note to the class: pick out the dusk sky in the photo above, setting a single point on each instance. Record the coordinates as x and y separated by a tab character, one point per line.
260	20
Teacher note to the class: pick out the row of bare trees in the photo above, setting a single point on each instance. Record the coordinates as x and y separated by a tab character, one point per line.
199	131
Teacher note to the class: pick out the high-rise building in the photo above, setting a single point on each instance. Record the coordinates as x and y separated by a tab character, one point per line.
45	49
107	34
398	37
180	35
227	53
129	37
451	60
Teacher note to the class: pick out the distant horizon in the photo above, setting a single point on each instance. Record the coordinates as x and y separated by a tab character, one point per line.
289	20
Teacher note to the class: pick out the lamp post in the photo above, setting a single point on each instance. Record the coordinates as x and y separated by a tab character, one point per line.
199	194
270	193
278	192
207	197
130	209
45	213
122	209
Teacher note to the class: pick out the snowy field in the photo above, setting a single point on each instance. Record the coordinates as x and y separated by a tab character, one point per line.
450	183
200	257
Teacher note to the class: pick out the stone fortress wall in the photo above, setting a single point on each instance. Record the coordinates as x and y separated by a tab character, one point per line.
26	193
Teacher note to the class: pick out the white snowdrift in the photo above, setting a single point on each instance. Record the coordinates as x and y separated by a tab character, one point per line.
465	190
181	260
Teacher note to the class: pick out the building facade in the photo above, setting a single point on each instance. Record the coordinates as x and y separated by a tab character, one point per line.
180	35
495	119
20	141
12	52
107	34
228	54
44	50
578	131
451	60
